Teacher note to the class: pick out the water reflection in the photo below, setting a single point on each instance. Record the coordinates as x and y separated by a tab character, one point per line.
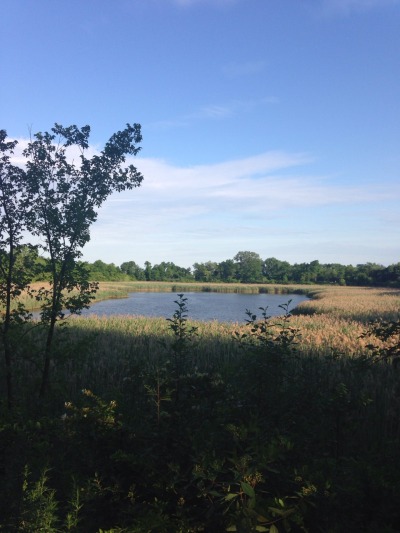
224	307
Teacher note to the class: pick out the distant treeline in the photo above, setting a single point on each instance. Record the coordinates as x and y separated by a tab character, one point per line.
249	267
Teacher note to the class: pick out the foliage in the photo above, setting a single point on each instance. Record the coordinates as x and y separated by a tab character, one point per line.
183	336
249	267
13	279
56	200
133	270
205	271
387	344
269	439
38	507
267	334
101	271
64	200
241	270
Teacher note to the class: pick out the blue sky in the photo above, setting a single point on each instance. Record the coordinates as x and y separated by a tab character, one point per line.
268	125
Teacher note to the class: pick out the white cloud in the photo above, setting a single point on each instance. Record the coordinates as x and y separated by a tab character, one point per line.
267	203
187	214
252	180
214	112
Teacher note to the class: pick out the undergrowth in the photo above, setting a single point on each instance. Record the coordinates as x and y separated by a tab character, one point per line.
272	440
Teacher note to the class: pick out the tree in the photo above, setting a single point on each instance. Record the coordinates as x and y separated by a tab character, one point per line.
205	271
147	271
100	271
391	274
249	265
366	273
13	281
64	200
276	271
133	270
227	271
168	271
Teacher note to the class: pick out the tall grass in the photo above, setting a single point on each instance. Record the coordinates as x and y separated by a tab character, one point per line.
333	320
361	304
271	424
107	348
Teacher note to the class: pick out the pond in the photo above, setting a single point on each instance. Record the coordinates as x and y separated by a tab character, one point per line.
205	306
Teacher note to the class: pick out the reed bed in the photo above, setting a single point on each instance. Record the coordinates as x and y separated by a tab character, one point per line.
330	324
125	287
331	321
334	318
361	304
119	342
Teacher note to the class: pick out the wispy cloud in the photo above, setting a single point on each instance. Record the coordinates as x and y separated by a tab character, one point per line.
252	181
214	112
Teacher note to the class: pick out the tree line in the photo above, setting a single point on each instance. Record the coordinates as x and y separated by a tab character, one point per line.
249	267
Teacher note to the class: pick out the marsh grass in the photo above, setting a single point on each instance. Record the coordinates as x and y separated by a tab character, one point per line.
332	322
261	435
360	304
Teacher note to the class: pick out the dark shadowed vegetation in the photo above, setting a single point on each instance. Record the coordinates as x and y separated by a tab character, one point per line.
164	426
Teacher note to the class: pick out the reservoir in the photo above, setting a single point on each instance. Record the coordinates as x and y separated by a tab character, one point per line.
204	306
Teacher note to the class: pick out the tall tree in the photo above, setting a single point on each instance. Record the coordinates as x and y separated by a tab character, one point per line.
205	271
100	271
13	202
64	198
147	271
168	271
133	270
276	271
227	270
249	265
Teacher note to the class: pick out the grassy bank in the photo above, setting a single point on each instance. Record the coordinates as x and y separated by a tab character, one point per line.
249	288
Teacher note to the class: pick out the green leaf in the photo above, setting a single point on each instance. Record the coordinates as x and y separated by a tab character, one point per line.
231	528
248	489
273	529
230	496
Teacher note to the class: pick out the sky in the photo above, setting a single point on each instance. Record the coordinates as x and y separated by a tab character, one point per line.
270	126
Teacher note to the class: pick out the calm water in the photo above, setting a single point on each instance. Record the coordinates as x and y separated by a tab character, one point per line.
224	307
